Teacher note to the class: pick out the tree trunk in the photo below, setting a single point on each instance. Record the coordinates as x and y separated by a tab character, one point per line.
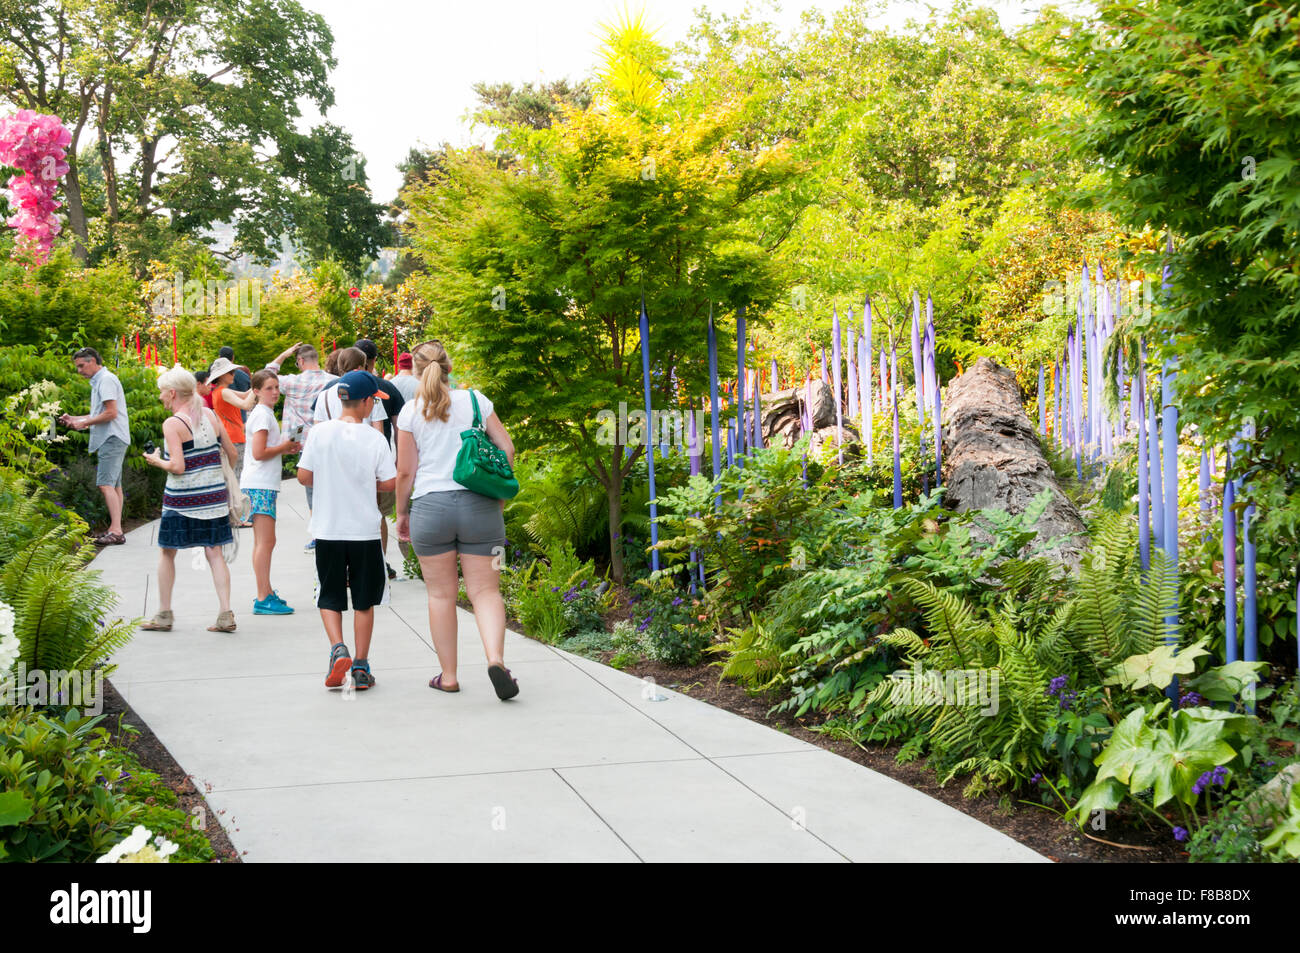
76	210
106	157
614	493
992	459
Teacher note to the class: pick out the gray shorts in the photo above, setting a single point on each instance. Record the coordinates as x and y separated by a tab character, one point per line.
459	520
108	462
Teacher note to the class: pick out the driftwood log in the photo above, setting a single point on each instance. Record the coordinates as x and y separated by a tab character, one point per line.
781	417
992	458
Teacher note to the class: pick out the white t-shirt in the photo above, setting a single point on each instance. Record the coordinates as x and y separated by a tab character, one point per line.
406	385
261	474
329	407
437	442
345	460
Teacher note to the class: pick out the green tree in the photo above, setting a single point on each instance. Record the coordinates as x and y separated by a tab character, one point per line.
190	106
1190	108
918	143
536	106
537	272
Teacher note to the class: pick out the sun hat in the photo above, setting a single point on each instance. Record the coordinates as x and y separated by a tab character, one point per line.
219	367
357	385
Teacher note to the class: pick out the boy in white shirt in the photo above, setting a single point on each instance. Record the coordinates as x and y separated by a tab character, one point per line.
348	463
261	481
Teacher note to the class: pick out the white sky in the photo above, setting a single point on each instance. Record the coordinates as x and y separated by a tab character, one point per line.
406	67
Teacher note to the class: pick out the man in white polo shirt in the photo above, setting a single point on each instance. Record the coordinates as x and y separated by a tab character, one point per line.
110	435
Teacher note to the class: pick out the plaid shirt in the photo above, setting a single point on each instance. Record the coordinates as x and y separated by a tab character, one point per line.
298	391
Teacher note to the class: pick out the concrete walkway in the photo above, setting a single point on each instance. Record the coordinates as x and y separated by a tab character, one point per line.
581	766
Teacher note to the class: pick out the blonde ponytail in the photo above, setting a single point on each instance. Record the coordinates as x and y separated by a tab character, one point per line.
433	366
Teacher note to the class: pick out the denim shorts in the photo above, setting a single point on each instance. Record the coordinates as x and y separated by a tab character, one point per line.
108	462
263	502
459	520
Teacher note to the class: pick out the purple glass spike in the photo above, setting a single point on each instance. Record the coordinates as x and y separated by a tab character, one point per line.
835	383
649	440
898	463
1229	560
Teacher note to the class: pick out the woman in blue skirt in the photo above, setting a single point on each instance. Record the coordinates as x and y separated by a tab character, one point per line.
196	510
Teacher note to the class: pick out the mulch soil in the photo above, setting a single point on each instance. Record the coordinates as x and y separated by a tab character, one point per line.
1032	826
156	758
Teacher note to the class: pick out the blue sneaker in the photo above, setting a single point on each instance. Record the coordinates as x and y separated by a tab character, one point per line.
275	597
270	606
310	547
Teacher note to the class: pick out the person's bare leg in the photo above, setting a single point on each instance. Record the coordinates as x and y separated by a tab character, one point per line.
483	586
113	500
332	619
220	575
166	578
363	626
441	584
263	544
383	533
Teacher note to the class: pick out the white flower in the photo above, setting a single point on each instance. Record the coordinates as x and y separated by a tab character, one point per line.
9	649
139	837
165	847
6	620
133	844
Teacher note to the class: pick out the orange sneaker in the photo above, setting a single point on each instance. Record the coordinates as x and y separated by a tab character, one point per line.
340	665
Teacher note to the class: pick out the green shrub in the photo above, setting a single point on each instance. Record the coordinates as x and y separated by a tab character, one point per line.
160	811
667	623
63	795
554	596
60	608
538	605
61	305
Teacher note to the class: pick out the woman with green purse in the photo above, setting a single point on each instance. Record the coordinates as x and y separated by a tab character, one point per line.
454	475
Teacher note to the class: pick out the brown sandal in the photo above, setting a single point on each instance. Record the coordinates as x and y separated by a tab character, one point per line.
225	622
161	622
110	539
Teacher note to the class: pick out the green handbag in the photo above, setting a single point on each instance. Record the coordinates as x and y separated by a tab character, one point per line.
481	465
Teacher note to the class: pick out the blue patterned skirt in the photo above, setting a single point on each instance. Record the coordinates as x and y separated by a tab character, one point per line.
184	532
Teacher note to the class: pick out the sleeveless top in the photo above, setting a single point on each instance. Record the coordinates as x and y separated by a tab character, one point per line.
229	415
199	492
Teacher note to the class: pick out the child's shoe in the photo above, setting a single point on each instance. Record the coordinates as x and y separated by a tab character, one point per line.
340	662
361	677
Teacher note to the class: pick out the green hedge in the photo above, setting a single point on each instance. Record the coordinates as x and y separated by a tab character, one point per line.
60	303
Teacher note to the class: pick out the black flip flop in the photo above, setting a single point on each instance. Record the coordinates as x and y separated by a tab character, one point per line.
503	682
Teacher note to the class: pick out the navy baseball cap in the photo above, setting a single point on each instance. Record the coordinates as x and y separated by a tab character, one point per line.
357	385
